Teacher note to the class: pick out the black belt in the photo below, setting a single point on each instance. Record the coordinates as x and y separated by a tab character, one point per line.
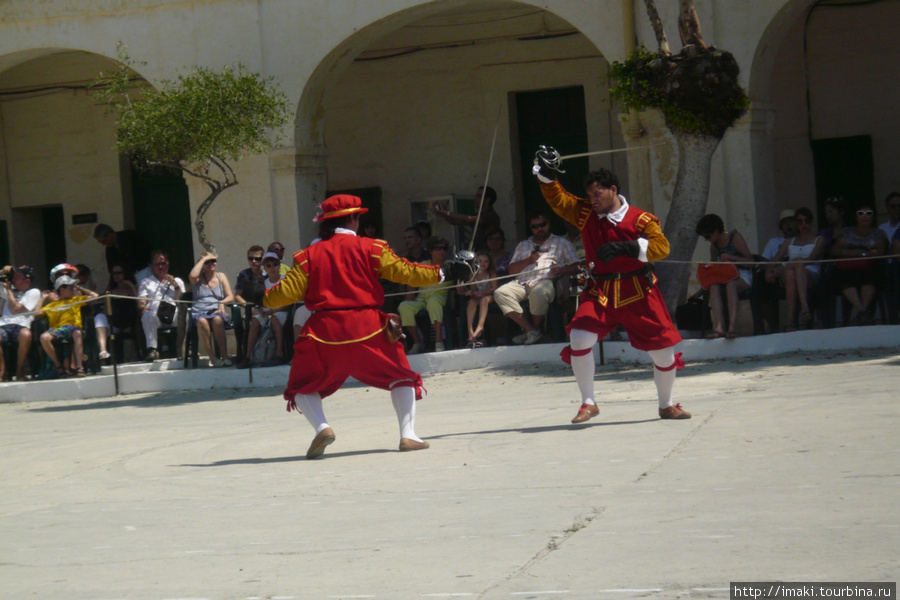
609	276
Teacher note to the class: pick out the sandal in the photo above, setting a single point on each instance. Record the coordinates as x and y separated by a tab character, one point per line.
805	317
730	334
715	335
79	372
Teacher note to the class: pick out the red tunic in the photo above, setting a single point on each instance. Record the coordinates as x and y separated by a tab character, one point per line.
344	337
634	302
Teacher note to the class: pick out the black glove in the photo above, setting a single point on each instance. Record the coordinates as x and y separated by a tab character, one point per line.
462	268
611	250
546	163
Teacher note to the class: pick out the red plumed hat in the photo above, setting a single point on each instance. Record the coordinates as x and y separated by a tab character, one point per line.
339	206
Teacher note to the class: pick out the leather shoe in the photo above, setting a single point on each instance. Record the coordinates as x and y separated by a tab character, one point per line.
674	412
408	445
586	413
323	439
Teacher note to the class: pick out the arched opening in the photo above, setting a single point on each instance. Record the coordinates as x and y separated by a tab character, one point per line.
61	174
409	106
824	80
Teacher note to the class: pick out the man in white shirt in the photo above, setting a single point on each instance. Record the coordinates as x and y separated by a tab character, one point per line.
17	297
788	227
537	261
160	285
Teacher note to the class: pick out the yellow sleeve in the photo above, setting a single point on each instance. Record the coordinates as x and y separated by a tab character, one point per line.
400	270
658	247
292	288
573	209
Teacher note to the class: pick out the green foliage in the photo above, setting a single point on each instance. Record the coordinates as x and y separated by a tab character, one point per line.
199	117
697	90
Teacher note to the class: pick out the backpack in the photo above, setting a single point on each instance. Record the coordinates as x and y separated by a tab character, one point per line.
264	350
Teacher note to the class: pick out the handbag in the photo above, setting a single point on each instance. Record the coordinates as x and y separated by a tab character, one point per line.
713	273
693	315
857	264
165	312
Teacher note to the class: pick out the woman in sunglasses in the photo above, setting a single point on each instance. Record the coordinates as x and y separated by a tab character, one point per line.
857	275
212	294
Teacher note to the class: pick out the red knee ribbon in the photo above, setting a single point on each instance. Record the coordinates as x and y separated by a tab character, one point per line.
678	364
567	354
291	405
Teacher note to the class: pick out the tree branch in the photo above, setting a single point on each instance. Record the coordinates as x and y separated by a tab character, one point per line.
689	25
658	28
226	169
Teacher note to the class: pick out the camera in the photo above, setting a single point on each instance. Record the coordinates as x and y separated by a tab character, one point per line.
4	277
537	249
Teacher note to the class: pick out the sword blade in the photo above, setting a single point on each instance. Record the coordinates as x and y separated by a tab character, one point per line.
614	150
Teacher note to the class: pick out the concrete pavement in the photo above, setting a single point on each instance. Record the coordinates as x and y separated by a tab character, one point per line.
789	470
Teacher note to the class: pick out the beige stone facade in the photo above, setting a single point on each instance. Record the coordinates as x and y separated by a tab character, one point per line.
403	96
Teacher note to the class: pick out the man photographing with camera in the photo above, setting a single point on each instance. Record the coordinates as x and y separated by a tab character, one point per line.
537	261
17	297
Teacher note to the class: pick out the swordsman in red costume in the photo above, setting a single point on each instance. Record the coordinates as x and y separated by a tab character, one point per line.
620	241
347	335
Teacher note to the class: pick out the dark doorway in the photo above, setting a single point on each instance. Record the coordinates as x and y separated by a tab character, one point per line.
4	244
551	118
39	239
54	234
844	167
162	213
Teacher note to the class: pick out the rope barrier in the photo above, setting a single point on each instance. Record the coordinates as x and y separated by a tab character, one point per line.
744	264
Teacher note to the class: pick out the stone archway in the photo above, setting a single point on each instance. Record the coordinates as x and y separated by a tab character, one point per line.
58	153
428	133
822	70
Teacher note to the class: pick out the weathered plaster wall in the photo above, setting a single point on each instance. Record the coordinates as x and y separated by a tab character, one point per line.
422	125
58	150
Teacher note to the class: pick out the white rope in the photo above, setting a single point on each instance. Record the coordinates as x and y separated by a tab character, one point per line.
746	263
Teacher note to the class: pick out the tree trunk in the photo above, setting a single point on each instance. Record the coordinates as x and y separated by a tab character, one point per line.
688	206
201	211
689	25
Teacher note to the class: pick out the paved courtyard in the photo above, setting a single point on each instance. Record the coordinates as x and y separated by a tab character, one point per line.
789	470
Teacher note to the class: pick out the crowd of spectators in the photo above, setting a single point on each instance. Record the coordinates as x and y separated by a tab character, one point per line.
846	259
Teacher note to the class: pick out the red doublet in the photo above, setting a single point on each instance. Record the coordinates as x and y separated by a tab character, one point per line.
634	302
345	336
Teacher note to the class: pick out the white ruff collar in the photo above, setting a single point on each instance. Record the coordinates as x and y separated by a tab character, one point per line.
618	215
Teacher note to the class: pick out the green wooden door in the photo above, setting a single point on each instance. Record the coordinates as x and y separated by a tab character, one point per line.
162	213
551	118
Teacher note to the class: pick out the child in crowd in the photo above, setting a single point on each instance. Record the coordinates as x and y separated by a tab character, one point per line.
481	294
64	316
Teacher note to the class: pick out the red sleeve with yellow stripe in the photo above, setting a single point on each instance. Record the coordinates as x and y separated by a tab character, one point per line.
570	207
648	227
400	270
293	287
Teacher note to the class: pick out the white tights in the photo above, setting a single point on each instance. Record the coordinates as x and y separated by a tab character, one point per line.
583	368
402	397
